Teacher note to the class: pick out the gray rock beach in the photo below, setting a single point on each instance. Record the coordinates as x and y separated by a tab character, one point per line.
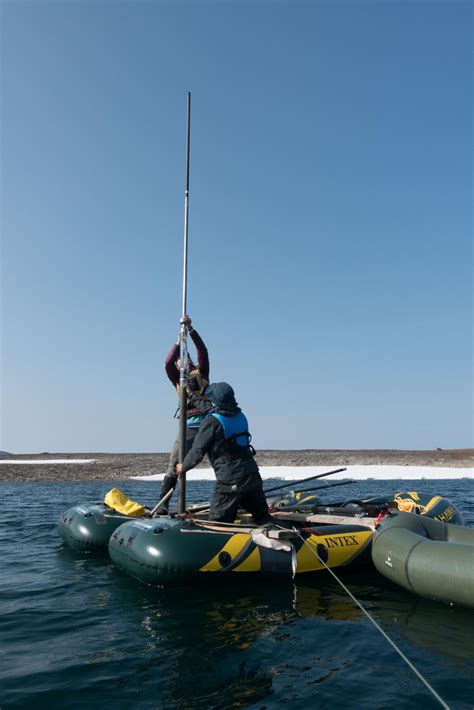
119	467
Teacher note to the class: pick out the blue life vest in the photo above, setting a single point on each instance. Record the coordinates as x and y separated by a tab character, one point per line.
236	428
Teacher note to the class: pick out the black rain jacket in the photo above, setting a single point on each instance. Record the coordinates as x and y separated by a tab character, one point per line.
235	473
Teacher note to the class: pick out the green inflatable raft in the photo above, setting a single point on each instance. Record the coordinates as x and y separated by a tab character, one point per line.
428	557
88	527
174	552
304	541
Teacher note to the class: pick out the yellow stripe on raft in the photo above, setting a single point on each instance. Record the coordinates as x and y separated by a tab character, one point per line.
431	504
253	563
341	549
306	558
235	545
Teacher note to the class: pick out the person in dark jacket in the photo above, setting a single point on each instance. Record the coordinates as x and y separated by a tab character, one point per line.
197	404
223	435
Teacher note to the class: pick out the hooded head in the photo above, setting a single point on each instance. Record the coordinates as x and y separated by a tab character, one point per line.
222	395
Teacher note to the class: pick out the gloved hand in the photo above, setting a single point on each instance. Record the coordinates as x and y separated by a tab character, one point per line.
186	320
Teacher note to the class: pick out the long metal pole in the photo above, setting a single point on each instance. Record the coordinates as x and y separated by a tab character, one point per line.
183	372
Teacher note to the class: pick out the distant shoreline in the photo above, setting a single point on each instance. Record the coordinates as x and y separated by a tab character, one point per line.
117	467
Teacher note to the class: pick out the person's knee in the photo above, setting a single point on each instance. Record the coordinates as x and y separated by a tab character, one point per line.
222	509
171	470
221	514
169	481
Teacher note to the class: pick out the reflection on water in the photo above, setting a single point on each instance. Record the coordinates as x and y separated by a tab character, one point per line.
327	602
439	627
236	646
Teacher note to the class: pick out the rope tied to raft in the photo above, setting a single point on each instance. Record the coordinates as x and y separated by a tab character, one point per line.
377	626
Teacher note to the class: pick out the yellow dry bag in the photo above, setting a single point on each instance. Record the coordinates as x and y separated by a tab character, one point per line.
117	500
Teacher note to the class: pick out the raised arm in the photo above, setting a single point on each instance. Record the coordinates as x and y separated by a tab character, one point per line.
202	354
172	370
170	365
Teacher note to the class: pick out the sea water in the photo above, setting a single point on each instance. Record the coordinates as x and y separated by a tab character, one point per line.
75	632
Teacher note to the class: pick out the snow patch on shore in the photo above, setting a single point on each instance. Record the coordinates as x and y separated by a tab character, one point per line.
358	473
48	462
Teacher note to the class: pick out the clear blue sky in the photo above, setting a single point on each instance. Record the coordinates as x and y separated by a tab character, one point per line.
330	261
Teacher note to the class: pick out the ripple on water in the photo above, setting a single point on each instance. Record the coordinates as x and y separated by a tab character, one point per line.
78	633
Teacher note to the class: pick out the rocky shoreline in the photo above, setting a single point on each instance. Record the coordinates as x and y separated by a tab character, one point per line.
119	467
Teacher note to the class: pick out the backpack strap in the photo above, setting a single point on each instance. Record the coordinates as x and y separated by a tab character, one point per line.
233	440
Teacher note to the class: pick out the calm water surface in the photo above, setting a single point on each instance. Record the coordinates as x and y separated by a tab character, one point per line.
75	632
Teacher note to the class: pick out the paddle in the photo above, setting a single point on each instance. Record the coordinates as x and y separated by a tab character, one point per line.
304	480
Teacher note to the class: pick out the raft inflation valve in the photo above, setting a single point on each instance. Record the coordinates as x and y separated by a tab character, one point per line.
225	559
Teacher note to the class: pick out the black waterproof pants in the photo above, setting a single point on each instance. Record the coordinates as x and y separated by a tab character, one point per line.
225	504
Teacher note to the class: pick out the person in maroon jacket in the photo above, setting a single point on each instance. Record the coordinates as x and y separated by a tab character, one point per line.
197	404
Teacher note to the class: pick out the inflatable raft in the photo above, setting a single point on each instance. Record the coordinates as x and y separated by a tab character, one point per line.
427	557
426	504
168	551
172	551
88	527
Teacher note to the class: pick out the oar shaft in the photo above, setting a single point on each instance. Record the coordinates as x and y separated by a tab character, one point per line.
324	488
163	500
305	480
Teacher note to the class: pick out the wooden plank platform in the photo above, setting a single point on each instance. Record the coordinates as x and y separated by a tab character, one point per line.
321	519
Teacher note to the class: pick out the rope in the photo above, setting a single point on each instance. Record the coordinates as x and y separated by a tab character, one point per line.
379	628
